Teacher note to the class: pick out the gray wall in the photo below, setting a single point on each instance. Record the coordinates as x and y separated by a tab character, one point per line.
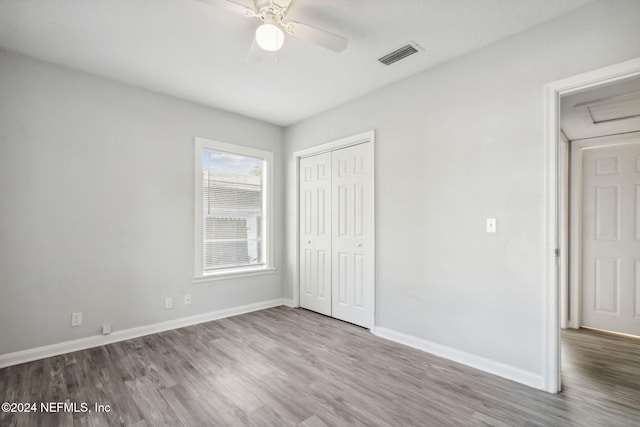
96	204
456	145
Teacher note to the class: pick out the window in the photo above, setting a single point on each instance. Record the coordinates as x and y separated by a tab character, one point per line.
233	210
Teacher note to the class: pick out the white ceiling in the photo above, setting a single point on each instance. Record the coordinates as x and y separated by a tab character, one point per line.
577	123
196	51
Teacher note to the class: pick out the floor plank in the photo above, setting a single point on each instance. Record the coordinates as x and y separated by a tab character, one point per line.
292	367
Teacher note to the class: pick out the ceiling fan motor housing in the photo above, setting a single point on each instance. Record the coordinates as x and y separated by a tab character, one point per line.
273	14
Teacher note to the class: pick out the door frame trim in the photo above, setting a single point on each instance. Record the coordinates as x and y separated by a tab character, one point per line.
564	189
361	138
552	93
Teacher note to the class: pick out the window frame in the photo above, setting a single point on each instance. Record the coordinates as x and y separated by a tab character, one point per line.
268	267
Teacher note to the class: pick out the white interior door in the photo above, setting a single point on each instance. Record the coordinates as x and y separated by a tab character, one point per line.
315	233
611	238
353	234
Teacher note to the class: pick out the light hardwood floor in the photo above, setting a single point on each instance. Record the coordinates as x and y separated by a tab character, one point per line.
292	367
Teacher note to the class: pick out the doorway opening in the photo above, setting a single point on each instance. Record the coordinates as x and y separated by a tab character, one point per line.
563	260
335	229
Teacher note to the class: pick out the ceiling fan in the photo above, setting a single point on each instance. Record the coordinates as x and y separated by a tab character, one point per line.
269	35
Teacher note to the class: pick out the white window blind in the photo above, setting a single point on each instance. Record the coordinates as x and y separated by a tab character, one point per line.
233	211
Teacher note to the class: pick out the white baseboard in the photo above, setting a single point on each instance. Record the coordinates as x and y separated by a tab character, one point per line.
32	354
491	366
289	303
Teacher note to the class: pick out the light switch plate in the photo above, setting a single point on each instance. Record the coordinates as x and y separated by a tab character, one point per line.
491	225
76	318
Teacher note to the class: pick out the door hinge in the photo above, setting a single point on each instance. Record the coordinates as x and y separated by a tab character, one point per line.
557	253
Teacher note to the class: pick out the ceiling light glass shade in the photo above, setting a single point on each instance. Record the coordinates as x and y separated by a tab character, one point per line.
269	37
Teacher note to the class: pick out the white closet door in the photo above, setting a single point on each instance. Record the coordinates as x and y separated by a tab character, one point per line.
611	238
353	234
315	233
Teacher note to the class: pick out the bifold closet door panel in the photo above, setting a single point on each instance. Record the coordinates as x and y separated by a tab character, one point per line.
352	234
315	233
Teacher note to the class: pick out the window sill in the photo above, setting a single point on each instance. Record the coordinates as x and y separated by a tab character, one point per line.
232	274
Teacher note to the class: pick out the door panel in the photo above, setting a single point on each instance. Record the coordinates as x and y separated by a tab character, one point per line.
637	218
342	277
353	239
607	285
358	281
637	289
336	234
611	244
321	268
607	213
315	233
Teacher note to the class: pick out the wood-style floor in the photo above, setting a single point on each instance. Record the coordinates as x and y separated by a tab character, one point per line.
291	367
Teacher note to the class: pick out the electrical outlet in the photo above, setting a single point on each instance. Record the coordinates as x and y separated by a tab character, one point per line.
168	303
76	319
106	329
187	299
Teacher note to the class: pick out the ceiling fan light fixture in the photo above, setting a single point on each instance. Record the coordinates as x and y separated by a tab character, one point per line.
269	37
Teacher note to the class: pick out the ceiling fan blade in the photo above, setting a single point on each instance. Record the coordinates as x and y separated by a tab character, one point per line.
232	6
320	37
284	4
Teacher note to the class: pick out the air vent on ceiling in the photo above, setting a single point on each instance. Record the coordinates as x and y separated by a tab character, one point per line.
400	53
611	109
